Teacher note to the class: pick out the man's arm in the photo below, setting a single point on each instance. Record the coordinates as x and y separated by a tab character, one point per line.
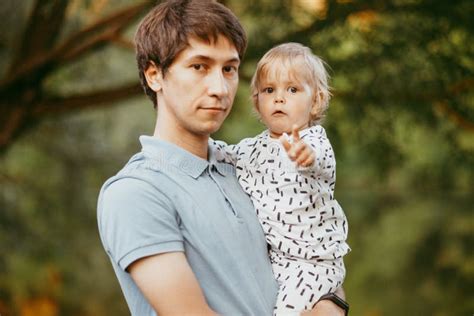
327	308
169	285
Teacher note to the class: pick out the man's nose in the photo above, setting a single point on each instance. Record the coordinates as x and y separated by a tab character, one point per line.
217	85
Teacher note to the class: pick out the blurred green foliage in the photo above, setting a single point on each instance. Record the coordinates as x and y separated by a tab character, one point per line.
401	123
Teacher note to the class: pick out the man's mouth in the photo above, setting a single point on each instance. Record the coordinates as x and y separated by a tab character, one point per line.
214	109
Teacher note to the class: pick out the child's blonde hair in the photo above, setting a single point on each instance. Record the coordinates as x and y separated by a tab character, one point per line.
301	63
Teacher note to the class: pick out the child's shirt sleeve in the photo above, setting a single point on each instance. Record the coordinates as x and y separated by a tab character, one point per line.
226	153
324	162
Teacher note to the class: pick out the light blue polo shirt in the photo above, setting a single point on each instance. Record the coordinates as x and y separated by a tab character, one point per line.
166	199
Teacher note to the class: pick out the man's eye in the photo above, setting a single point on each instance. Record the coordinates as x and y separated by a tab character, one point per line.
228	69
292	89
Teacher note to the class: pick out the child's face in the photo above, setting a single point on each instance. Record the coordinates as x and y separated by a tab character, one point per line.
284	101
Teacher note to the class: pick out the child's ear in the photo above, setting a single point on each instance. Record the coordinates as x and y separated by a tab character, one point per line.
256	108
154	77
255	101
316	103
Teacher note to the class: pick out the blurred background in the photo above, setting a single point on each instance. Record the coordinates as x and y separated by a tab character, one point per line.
401	122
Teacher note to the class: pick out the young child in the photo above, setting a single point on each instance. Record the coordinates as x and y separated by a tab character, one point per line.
291	182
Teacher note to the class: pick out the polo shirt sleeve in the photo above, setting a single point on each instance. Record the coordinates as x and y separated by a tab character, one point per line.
136	221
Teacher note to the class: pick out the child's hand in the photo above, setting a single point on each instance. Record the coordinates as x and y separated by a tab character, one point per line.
298	150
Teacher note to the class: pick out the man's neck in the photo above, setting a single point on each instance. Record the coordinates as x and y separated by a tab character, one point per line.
195	144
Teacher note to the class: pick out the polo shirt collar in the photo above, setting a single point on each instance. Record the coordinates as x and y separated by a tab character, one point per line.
171	154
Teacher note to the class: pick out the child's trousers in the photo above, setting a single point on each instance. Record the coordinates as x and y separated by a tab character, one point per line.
302	283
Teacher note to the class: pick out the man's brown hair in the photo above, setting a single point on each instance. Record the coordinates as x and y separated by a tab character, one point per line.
166	29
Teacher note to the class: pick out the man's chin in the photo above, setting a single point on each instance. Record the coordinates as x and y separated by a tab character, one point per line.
211	128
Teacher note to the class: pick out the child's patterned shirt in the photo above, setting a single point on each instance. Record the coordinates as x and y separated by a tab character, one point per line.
295	205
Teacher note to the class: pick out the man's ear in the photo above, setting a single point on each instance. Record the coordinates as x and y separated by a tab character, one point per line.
154	77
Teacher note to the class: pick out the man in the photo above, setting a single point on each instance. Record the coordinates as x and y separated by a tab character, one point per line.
181	234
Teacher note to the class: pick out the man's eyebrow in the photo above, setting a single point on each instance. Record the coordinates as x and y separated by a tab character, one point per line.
234	60
210	60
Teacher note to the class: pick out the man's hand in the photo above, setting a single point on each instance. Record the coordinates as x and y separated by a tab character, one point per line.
326	307
298	150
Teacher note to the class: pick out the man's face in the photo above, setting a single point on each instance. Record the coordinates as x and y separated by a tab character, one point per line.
197	91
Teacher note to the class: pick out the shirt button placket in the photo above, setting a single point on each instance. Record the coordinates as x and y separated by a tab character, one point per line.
212	170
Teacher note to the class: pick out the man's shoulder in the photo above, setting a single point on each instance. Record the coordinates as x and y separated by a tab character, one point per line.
138	173
136	188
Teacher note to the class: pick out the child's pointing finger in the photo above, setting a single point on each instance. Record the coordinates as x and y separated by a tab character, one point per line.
285	143
295	133
297	149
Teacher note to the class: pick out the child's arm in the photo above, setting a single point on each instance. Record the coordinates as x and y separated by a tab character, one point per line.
298	150
312	153
226	153
327	307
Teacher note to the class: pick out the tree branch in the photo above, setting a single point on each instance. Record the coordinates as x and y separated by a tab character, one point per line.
41	33
59	105
109	27
444	108
123	42
463	85
82	42
11	122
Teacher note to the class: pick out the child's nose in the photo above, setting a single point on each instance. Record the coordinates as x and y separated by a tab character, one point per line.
279	98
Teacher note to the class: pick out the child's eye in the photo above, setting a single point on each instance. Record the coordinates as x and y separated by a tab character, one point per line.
268	90
293	89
